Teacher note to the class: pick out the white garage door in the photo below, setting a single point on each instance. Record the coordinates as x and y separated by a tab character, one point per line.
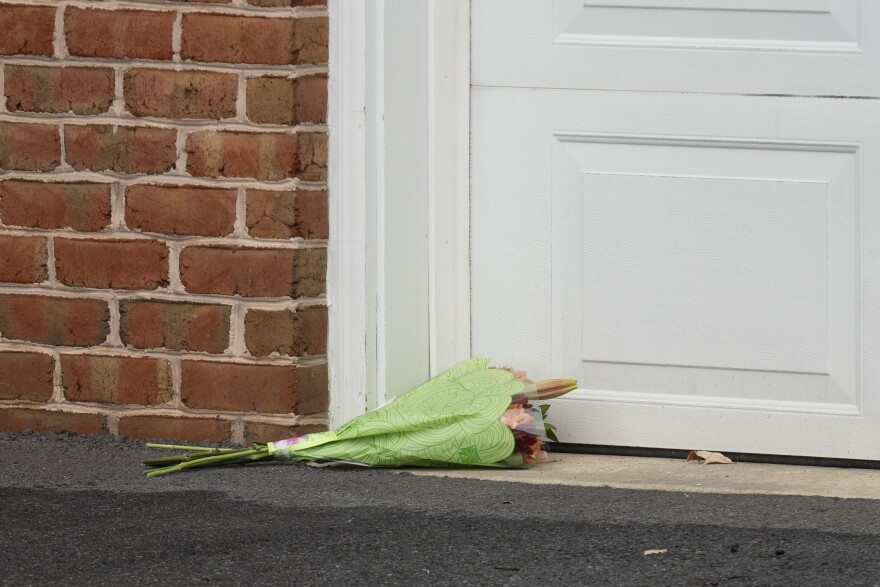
666	207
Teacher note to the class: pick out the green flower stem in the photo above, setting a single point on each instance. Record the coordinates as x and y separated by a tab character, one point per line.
162	461
190	448
235	456
165	461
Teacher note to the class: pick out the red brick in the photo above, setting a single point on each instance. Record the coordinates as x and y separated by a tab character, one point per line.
150	324
51	421
54	321
180	94
26	376
125	149
237	387
311	99
264	156
303	332
177	428
81	90
270	432
29	147
281	100
37	204
288	214
311	40
27	30
239	39
180	210
253	272
116	380
113	264
119	34
271	100
23	259
312	389
312	154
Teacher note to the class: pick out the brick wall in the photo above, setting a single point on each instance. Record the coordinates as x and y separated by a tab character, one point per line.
163	218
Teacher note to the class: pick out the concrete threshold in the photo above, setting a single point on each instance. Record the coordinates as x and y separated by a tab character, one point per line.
681	476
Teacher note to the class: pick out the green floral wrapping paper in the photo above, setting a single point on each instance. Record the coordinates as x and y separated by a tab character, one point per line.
452	420
471	415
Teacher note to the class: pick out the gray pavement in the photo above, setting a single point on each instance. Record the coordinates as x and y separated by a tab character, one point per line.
78	511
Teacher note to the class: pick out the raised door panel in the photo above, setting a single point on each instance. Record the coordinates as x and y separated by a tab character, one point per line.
804	47
705	265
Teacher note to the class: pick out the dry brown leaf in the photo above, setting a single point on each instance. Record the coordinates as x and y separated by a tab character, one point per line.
709	458
654	551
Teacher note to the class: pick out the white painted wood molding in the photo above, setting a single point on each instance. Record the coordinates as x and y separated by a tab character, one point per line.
398	178
346	255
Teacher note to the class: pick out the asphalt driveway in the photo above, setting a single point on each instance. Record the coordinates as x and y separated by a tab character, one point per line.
78	511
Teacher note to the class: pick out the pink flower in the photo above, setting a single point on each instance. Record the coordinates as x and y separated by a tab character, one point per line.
517	375
516	417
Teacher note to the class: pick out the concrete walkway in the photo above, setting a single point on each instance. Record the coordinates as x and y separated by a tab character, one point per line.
681	476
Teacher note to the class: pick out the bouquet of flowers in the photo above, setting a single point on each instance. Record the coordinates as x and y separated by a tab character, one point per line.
471	415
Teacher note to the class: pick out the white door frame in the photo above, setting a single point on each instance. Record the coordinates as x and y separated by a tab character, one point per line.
398	254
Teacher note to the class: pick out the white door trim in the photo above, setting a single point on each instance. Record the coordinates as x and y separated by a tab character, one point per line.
346	254
398	254
449	183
